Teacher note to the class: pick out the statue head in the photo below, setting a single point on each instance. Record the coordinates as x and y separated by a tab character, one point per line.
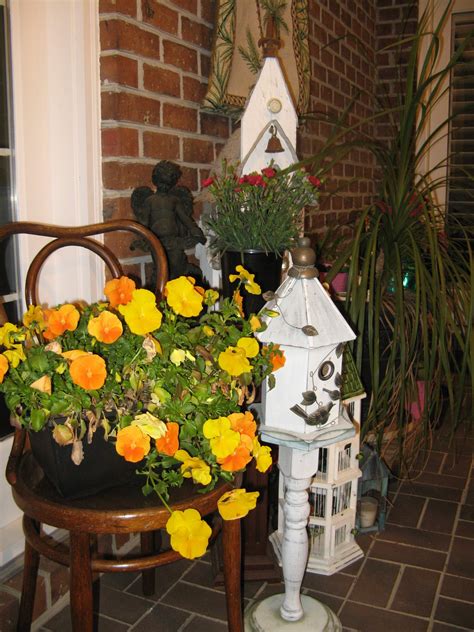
165	175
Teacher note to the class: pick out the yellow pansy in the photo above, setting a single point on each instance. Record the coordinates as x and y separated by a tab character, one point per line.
189	533
249	345
74	354
236	503
247	279
222	438
255	323
141	313
194	467
150	425
239	302
210	297
234	361
3	367
15	355
262	455
178	356
208	331
183	298
34	315
8	337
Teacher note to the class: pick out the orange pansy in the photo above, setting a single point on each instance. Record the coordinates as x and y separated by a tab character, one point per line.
3	367
169	443
237	460
88	371
132	444
65	318
243	423
119	291
106	327
276	357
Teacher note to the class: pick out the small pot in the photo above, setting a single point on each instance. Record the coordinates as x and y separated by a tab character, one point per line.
368	511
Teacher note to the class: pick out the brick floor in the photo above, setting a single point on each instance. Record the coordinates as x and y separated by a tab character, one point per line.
418	575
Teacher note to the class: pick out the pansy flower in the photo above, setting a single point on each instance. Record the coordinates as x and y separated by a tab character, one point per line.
236	503
189	533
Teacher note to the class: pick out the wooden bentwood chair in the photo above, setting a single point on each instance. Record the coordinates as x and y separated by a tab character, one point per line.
116	511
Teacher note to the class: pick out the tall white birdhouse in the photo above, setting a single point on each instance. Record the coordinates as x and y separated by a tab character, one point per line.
312	333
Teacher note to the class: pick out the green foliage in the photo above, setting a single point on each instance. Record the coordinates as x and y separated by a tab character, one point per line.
406	276
172	371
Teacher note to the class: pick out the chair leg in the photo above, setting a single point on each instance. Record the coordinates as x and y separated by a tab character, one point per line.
231	553
30	574
82	616
150	542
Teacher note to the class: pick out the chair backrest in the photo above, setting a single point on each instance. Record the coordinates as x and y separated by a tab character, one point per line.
81	236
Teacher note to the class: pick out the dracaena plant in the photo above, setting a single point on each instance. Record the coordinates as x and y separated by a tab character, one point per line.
410	283
166	382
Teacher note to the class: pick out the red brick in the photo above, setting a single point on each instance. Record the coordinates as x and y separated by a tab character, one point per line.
208	11
205	65
118	175
127	7
187	5
179	117
130	107
189	178
161	80
197	150
180	56
194	90
119	141
119	208
119	35
120	244
159	15
327	20
196	33
214	125
119	69
160	146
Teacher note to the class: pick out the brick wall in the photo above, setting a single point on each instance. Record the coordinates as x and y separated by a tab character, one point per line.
154	65
342	40
155	62
395	20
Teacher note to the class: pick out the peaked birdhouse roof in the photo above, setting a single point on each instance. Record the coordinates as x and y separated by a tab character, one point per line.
269	101
307	316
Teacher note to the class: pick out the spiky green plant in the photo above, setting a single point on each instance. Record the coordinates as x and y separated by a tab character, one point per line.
410	284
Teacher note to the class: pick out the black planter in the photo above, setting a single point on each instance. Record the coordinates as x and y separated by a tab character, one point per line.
265	266
101	468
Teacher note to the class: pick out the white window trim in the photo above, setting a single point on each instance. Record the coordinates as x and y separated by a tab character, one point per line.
57	159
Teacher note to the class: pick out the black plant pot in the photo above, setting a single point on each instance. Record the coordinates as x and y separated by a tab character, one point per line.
265	266
101	468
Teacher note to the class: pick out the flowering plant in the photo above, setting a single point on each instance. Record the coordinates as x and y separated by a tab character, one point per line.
166	382
260	211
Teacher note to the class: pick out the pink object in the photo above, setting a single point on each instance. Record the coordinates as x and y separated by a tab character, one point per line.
416	407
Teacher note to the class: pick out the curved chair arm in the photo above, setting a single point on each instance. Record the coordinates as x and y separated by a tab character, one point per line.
77	236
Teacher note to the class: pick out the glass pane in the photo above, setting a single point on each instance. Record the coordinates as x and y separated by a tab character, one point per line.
3	83
7	254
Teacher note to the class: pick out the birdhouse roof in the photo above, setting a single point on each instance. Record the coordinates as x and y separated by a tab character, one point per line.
304	307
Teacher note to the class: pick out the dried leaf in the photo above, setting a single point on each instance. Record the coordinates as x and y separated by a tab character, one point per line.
77	454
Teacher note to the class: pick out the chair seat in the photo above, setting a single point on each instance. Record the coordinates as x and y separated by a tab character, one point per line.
121	509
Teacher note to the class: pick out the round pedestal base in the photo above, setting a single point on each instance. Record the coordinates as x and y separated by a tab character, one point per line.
264	616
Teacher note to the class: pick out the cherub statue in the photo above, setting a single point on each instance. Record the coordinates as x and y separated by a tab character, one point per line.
168	213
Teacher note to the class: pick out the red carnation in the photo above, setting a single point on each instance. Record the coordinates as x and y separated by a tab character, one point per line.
268	172
207	182
316	182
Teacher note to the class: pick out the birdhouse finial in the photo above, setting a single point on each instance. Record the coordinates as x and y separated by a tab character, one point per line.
304	258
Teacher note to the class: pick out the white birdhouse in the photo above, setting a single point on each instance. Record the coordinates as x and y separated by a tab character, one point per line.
312	332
